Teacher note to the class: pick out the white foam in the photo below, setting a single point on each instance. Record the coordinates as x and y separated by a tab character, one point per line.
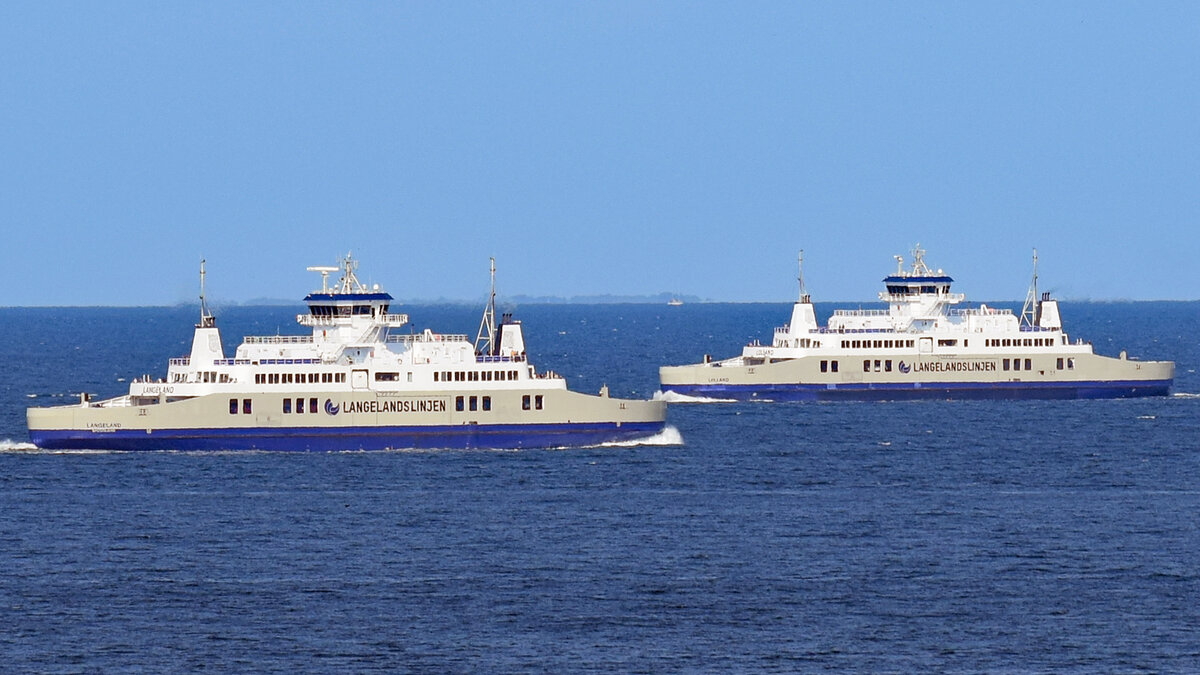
1146	417
1184	394
668	436
676	397
9	445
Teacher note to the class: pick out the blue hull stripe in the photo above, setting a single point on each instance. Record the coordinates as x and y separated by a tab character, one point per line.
348	438
859	391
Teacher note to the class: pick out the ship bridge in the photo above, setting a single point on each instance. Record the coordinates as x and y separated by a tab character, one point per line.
348	303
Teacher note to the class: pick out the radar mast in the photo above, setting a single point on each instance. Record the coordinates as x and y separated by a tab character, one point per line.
206	317
800	276
1029	310
487	325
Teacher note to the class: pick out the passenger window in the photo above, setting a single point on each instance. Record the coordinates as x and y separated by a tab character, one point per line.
233	406
245	406
474	403
312	405
287	405
487	402
458	403
525	402
537	402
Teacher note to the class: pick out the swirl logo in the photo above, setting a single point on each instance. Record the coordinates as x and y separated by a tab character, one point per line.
330	408
904	368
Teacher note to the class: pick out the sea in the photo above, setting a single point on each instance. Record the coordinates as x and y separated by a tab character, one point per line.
948	536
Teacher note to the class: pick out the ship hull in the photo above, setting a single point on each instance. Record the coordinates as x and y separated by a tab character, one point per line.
518	418
926	391
335	439
976	376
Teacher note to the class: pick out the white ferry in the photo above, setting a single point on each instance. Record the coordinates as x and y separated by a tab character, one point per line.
350	385
921	348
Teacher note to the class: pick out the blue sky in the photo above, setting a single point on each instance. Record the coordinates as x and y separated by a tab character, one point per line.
615	147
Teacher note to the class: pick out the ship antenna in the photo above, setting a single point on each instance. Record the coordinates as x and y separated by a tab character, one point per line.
800	276
487	325
206	318
1029	309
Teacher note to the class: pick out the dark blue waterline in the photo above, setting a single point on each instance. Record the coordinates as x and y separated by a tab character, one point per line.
349	438
859	391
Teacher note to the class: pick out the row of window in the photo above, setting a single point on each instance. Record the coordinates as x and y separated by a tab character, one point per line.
1016	364
877	344
1021	342
471	402
461	403
829	366
287	405
344	310
474	375
298	378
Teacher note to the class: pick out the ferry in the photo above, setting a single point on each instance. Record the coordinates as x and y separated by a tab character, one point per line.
921	346
352	384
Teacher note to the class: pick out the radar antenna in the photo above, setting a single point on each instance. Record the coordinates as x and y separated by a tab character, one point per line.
487	325
919	269
1029	310
206	317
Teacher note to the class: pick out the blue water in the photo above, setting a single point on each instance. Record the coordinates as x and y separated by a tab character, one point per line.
950	536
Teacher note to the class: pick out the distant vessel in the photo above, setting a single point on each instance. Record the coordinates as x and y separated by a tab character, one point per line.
674	302
350	385
921	348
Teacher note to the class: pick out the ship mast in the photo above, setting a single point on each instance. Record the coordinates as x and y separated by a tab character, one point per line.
1029	309
206	317
800	276
487	324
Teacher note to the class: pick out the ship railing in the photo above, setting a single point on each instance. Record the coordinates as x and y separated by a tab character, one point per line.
847	331
277	339
311	320
861	312
981	312
118	402
420	337
231	362
288	362
783	330
485	358
1037	329
187	360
